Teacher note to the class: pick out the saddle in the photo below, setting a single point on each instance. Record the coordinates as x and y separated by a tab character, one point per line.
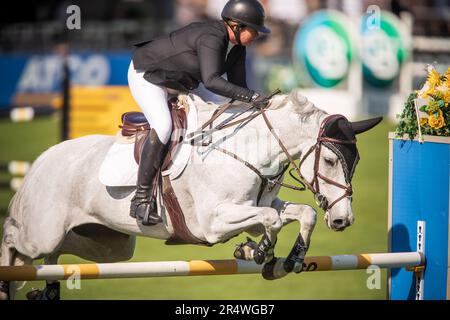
135	124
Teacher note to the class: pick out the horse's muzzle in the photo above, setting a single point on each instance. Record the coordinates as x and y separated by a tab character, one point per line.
338	223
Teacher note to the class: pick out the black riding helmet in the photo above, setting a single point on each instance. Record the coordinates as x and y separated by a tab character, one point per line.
246	13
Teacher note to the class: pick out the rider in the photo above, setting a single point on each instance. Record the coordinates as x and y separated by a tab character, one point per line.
193	54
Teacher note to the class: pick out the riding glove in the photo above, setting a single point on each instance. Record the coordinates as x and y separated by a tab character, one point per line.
259	100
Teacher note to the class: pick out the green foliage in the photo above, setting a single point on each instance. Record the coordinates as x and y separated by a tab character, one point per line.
435	108
407	120
435	117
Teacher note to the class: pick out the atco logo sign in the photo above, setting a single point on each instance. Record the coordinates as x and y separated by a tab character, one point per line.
43	73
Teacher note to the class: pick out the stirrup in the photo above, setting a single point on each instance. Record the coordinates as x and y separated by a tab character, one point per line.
151	218
135	203
146	212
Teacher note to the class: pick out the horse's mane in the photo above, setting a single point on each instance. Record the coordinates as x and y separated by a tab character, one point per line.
299	103
295	100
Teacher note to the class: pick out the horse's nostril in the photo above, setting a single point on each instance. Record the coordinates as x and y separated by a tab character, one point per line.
338	222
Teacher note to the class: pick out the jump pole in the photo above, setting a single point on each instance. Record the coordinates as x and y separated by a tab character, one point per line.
202	267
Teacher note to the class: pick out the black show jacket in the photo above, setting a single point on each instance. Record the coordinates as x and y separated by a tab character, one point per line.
193	54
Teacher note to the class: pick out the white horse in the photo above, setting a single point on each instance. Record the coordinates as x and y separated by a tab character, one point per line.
62	208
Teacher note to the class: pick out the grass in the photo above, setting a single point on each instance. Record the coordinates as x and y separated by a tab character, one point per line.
368	234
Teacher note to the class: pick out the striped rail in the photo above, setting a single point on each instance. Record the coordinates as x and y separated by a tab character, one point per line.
202	267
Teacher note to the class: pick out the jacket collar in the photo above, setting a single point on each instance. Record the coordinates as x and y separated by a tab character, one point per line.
220	25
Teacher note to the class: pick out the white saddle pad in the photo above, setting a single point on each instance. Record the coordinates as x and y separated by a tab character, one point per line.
119	167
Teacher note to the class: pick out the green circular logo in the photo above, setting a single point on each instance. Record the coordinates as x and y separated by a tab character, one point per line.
384	47
323	48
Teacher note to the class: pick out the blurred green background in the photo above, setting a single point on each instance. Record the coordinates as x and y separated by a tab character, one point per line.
25	141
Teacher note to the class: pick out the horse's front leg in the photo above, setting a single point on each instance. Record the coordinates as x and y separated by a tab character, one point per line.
307	217
232	219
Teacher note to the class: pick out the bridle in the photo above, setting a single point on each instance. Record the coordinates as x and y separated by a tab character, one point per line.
321	200
313	185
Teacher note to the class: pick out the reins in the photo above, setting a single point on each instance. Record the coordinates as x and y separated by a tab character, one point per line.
271	181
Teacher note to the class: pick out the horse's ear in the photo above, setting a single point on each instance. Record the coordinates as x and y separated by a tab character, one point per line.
364	125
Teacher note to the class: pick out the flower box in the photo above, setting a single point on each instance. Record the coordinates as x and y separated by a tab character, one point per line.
427	111
419	182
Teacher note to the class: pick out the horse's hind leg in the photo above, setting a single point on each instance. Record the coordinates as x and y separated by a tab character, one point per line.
8	289
91	242
21	245
10	257
6	259
52	287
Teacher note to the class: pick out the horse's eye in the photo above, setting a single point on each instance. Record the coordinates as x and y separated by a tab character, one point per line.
329	162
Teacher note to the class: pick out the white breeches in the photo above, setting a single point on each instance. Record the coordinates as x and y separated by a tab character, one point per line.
152	100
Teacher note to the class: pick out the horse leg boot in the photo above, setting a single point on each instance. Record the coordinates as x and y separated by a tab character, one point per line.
143	204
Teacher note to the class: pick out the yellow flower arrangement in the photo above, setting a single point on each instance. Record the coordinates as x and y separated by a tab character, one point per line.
446	82
423	121
444	93
434	78
436	120
434	81
433	107
427	111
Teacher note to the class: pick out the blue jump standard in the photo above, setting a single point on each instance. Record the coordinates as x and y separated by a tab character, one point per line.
420	181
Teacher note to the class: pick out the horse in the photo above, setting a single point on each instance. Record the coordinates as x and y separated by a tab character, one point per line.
62	208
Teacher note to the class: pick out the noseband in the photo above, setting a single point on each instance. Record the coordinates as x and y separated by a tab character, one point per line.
321	200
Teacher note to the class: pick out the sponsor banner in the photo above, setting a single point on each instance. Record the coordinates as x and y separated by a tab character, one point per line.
36	79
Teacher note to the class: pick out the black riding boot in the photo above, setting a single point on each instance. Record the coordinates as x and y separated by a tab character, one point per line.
143	205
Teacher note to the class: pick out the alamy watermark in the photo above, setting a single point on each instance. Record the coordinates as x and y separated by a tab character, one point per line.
73	282
73	21
373	17
374	280
256	146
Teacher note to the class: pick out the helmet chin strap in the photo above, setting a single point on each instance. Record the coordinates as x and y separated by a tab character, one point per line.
236	31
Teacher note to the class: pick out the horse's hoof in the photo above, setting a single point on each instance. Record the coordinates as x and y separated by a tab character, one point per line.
267	271
244	251
288	265
259	256
34	294
273	269
50	292
4	290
